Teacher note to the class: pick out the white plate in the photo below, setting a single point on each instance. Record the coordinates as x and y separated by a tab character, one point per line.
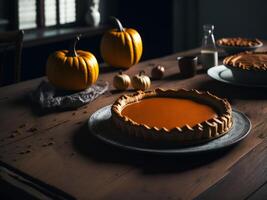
102	127
223	74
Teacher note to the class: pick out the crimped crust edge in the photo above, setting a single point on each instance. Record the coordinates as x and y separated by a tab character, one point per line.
204	131
228	61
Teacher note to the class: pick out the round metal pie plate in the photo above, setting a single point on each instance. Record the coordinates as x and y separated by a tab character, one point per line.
101	126
223	74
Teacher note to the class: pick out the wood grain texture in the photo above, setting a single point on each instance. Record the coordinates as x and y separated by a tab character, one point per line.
58	149
245	179
260	193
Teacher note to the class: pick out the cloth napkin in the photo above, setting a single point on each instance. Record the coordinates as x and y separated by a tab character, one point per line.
48	97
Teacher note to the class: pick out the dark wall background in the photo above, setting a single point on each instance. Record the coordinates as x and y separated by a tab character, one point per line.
153	20
244	18
165	26
4	8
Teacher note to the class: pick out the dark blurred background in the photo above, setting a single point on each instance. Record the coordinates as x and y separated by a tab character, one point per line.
165	26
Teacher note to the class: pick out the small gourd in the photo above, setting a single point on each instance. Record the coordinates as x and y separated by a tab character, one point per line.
141	81
157	72
121	81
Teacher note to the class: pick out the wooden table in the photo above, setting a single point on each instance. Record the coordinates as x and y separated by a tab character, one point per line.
58	149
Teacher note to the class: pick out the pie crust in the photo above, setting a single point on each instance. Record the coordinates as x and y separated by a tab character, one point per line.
248	60
239	42
203	131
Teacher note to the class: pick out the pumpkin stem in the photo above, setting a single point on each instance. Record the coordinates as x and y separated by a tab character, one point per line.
120	72
117	22
72	49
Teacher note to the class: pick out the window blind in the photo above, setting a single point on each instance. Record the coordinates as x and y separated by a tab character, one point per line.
50	11
67	11
27	14
39	13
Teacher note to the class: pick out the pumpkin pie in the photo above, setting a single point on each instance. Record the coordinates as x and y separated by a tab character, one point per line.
239	42
248	67
184	116
256	61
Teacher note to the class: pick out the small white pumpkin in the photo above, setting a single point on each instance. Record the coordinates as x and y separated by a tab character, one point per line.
141	81
121	81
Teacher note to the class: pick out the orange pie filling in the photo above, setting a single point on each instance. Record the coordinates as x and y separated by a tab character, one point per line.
168	113
185	116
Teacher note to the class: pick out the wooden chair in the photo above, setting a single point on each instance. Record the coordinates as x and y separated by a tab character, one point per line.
12	40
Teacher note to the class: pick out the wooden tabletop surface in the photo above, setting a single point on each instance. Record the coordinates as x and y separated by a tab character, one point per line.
58	149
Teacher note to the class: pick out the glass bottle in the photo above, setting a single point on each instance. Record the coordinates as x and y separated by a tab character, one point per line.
209	53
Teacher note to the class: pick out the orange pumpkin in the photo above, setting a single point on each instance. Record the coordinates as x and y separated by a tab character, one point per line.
121	47
71	69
